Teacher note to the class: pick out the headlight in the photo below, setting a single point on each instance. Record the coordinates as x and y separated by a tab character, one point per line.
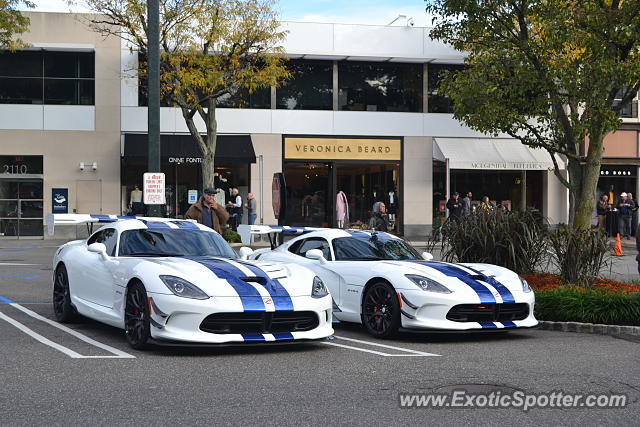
427	284
182	288
318	290
525	285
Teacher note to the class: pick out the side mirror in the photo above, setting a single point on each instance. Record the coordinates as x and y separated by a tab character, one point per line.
98	248
427	256
245	252
315	254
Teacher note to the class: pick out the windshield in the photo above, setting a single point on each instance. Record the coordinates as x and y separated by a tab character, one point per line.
173	242
377	246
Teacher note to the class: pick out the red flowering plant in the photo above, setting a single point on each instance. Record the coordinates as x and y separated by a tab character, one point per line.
546	282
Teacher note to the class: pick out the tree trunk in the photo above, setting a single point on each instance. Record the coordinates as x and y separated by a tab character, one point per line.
585	191
208	161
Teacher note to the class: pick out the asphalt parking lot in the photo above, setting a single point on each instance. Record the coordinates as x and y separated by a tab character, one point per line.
85	374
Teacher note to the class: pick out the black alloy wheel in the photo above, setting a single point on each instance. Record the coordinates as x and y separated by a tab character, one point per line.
136	317
381	310
62	308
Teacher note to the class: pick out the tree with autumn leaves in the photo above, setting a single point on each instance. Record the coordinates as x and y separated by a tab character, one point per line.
12	23
553	74
209	50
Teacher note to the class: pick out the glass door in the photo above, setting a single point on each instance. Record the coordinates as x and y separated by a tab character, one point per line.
21	208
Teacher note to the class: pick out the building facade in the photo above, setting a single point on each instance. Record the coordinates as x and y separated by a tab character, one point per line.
361	115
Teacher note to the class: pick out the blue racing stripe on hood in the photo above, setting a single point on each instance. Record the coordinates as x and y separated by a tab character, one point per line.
481	290
279	295
504	292
250	297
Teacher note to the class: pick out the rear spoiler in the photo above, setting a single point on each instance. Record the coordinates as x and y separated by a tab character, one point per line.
75	219
246	231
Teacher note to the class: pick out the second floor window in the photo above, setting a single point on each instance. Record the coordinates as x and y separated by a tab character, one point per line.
438	103
44	77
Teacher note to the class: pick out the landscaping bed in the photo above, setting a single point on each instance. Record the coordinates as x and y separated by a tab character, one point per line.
604	301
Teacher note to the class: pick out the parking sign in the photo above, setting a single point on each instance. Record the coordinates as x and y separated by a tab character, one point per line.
153	188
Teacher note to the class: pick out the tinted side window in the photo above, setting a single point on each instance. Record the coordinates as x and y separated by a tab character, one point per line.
109	237
315	243
94	239
295	246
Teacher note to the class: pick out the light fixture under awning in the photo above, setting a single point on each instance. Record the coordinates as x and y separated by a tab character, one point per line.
492	153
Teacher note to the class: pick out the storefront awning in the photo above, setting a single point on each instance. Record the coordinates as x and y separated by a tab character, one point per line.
229	148
491	153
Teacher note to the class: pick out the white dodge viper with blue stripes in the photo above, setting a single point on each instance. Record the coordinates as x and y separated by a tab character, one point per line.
379	280
175	282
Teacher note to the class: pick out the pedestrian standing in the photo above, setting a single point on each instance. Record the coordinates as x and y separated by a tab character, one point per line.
634	214
638	248
251	209
455	207
624	216
235	209
486	205
379	221
466	204
207	212
602	208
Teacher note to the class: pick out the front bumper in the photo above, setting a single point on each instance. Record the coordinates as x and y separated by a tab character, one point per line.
176	320
428	310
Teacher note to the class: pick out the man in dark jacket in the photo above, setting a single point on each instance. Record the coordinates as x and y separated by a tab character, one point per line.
379	221
455	207
207	212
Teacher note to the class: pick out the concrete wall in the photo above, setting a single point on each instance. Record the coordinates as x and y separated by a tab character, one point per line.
270	147
416	198
556	201
64	148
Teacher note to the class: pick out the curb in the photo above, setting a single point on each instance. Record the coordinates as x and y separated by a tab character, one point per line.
589	328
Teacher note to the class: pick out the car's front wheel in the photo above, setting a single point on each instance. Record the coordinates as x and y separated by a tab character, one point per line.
136	317
62	308
381	310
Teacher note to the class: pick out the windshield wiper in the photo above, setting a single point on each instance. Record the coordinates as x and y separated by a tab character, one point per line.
155	254
367	258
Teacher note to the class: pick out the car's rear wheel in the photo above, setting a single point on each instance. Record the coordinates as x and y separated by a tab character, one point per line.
136	317
62	308
381	310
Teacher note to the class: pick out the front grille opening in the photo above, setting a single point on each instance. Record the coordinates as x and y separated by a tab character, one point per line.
488	312
260	322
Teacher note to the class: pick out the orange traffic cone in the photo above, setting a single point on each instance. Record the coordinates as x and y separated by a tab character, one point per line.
617	248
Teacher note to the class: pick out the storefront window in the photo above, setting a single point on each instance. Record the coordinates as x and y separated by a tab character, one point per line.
308	194
504	188
366	184
309	88
439	103
367	86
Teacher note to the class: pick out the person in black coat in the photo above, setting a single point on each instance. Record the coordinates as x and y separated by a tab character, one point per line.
455	207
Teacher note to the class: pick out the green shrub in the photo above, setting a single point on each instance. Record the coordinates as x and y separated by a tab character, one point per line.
515	240
230	236
571	304
579	254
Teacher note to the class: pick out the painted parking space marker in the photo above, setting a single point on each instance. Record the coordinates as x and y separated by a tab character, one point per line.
17	276
407	351
14	264
118	354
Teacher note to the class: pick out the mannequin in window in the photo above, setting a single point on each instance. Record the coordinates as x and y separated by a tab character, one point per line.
342	209
135	201
392	206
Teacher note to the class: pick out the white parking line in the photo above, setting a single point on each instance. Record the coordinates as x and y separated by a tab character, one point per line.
411	353
15	264
117	354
